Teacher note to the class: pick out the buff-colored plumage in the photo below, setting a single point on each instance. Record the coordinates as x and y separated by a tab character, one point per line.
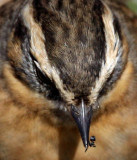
34	126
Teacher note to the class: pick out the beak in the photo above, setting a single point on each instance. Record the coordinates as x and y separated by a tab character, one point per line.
82	116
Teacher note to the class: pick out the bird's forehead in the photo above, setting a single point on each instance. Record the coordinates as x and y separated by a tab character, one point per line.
77	68
78	48
75	55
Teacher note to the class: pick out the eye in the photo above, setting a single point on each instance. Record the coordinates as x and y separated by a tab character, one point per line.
51	90
41	76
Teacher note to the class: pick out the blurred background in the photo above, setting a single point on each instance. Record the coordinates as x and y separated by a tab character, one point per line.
132	4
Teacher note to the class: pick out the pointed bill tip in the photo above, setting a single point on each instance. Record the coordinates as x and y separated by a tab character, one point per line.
82	116
86	148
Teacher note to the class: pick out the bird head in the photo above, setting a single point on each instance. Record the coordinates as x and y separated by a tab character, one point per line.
72	53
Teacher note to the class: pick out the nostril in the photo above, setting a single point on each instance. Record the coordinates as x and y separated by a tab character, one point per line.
75	110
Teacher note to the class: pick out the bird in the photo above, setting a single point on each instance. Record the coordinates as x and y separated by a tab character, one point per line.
68	72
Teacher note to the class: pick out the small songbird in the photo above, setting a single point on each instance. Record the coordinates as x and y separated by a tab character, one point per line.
68	72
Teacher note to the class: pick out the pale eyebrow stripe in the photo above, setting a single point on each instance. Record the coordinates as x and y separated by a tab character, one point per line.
38	49
113	52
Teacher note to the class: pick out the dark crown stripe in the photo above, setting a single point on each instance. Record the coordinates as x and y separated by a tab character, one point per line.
99	42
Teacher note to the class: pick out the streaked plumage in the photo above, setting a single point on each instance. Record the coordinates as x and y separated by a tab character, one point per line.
66	60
